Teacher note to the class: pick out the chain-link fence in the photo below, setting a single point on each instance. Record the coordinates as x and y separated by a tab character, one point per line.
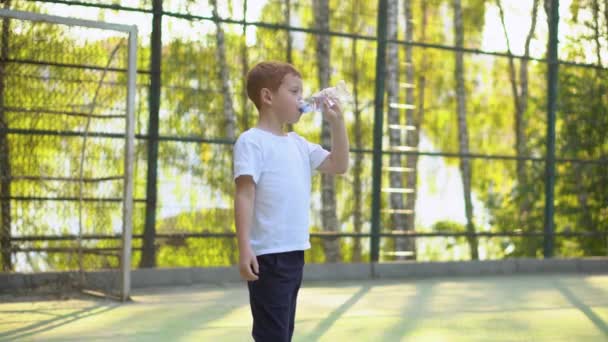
458	149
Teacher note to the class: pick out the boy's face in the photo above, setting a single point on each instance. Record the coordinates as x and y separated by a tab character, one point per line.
285	99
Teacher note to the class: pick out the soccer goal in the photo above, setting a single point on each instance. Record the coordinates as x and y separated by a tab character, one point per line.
67	97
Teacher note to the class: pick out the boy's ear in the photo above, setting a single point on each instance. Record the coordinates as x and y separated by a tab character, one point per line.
266	96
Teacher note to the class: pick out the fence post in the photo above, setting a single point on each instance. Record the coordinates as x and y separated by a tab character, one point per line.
378	126
552	10
148	257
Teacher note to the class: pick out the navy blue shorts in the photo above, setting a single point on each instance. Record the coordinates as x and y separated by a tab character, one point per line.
273	296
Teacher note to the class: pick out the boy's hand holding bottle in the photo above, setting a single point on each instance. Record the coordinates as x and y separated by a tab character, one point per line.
329	101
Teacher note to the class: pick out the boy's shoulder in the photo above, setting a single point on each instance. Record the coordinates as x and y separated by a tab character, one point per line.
296	136
264	140
256	135
250	135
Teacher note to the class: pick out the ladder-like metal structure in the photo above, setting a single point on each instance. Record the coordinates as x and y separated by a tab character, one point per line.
406	191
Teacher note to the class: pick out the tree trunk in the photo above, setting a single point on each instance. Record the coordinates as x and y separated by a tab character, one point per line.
289	42
522	149
5	167
224	75
357	165
331	246
412	136
520	99
606	17
585	220
595	4
244	71
287	32
463	135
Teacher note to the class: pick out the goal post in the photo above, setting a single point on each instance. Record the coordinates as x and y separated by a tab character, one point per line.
120	85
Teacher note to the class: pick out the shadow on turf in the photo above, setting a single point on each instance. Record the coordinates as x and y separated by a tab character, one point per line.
411	313
579	304
52	323
151	324
183	321
325	324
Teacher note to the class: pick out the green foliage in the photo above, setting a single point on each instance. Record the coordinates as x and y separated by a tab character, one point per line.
200	174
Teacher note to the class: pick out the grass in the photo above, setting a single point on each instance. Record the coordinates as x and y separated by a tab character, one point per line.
516	308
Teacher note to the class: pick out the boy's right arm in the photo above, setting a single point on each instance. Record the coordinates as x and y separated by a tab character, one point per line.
243	214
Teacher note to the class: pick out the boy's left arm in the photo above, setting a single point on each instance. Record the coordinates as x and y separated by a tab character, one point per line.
337	160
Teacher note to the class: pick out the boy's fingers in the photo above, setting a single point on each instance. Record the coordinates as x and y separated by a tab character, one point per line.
325	104
256	267
252	276
333	103
336	103
328	105
247	274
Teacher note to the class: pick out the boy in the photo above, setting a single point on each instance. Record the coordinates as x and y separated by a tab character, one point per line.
272	172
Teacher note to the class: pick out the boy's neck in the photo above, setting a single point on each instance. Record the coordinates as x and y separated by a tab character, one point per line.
270	123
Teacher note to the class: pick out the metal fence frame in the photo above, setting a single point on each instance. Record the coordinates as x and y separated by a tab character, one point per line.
154	138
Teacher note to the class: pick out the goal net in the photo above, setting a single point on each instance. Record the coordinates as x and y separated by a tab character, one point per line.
67	89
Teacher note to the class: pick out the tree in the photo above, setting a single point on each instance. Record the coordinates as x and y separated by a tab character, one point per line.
595	10
244	70
584	114
463	135
331	246
354	59
357	165
56	93
520	99
394	124
289	49
228	111
5	156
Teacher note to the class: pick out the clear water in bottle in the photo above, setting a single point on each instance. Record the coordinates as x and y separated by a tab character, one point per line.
314	103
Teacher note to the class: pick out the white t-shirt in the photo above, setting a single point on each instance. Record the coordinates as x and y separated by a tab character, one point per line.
282	168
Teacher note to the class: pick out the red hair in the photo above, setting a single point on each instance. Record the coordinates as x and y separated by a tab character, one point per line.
269	75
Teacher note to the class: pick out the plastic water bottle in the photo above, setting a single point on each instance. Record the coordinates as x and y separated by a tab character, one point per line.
314	103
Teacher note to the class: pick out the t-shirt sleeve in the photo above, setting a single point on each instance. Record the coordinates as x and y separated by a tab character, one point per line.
317	154
247	158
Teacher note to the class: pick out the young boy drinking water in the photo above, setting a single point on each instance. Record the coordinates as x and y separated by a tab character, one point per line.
272	172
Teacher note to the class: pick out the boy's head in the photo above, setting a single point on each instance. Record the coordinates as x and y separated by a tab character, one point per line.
276	86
